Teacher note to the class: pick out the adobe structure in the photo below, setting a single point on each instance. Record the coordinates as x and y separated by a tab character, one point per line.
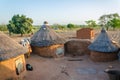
102	48
77	47
12	60
47	43
85	33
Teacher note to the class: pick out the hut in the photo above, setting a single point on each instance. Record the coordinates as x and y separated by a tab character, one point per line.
102	48
12	61
47	43
77	47
85	33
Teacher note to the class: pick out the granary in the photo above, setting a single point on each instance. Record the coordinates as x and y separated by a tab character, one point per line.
47	43
85	33
12	61
102	49
77	47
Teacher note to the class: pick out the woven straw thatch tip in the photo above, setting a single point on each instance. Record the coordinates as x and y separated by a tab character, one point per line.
103	43
46	37
10	48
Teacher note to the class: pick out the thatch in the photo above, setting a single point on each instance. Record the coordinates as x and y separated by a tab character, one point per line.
46	37
9	48
103	43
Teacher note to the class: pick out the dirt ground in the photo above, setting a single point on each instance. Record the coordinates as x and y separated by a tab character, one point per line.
63	69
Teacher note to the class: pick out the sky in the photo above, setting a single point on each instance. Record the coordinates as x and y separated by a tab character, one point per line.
58	11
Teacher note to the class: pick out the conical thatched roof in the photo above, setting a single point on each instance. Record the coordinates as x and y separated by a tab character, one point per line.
103	43
46	37
9	48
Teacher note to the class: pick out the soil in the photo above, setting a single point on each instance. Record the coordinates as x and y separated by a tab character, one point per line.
63	69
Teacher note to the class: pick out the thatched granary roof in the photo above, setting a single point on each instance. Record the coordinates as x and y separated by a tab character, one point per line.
46	37
9	48
103	43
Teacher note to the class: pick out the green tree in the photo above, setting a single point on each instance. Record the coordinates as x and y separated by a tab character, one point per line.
114	23
20	25
91	23
70	26
58	26
104	20
3	27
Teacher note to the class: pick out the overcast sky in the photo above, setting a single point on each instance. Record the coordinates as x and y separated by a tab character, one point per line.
58	11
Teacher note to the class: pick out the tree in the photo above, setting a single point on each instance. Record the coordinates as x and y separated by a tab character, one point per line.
70	26
104	20
91	23
3	27
114	23
20	25
58	26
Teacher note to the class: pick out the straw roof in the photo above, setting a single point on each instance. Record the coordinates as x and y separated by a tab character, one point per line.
9	48
46	37
103	43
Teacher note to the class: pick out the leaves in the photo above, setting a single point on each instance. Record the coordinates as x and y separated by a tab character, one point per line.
70	26
3	27
114	23
20	24
91	23
109	20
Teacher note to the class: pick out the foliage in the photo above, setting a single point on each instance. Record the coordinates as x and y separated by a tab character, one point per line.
20	25
3	27
105	20
36	28
58	27
91	23
70	26
114	23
